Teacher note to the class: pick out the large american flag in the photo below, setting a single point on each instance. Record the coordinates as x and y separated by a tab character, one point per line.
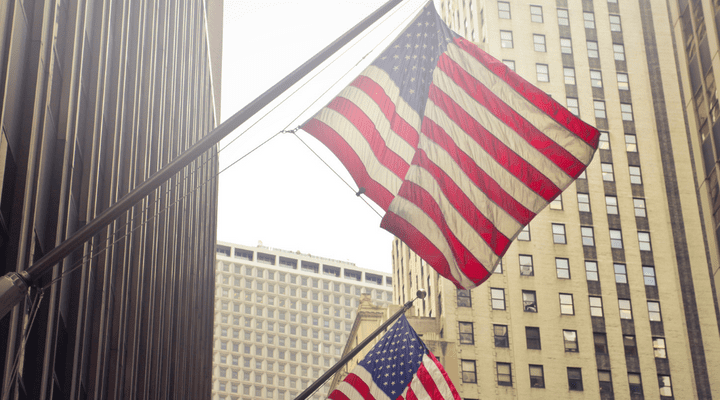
458	150
399	366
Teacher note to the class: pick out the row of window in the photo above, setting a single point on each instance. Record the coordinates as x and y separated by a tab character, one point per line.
536	15
574	378
562	270
288	310
325	322
567	307
303	281
294	330
256	391
269	378
588	237
281	341
281	353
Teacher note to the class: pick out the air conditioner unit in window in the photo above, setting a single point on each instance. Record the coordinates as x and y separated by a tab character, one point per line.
526	270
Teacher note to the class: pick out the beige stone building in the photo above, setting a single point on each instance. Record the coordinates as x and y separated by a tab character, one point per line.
282	319
611	291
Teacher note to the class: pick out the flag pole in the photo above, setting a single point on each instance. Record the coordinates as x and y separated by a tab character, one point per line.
14	285
321	380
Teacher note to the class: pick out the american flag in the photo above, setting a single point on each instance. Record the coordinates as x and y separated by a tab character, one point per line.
399	366
458	150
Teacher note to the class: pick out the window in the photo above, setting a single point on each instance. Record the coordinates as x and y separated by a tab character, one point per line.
463	298
644	241
557	204
566	48
558	231
630	143
562	268
506	39
589	20
566	304
604	142
526	265
606	389
600	340
498	270
504	9
529	301
532	337
615	23
539	42
592	48
635	384
607	172
537	378
570	340
630	346
588	238
665	386
654	311
466	333
635	175
623	81
620	273
649	275
504	374
497	298
659	347
536	14
524	234
542	72
639	205
596	78
599	109
583	202
625	309
596	309
468	371
563	17
501	335
616	239
619	51
626	112
572	106
575	379
569	73
510	64
611	205
591	270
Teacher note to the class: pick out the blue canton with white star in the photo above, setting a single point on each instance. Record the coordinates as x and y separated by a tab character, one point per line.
393	361
411	58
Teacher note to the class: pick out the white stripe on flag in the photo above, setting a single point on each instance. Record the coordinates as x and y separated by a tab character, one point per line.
463	231
437	376
545	124
515	188
402	108
371	109
504	222
427	227
500	130
365	376
376	170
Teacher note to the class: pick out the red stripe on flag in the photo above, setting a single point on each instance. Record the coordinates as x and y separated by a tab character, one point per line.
464	206
423	247
507	158
401	127
469	265
428	383
410	394
534	95
546	146
332	140
338	395
477	175
439	366
360	385
365	126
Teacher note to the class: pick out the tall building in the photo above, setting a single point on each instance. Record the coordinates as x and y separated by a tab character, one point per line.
611	291
95	97
282	319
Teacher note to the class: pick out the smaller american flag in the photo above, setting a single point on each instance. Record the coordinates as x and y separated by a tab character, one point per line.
399	366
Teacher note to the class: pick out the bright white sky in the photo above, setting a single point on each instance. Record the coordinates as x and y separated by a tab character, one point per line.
282	194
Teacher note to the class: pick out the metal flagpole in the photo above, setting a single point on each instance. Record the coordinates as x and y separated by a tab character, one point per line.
335	368
14	285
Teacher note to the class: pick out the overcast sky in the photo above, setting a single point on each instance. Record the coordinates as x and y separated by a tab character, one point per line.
282	194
